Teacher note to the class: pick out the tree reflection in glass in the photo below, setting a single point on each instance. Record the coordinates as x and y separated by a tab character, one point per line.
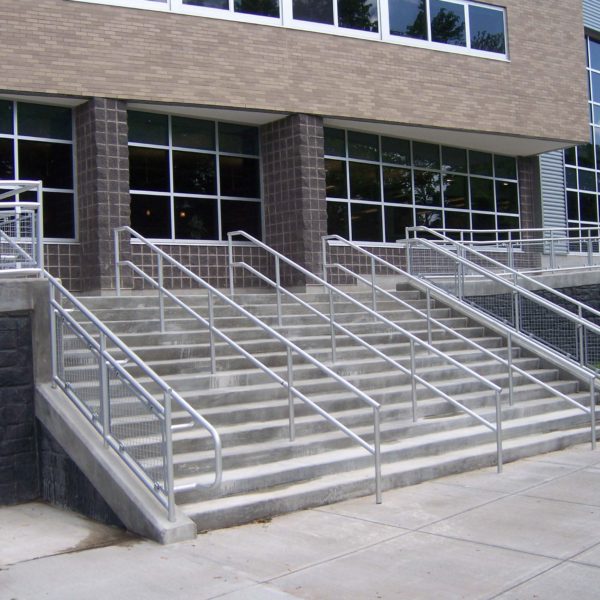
447	23
264	8
358	14
408	18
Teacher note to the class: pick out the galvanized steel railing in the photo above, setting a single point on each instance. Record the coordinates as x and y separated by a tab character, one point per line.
513	337
336	327
557	320
21	249
287	381
134	417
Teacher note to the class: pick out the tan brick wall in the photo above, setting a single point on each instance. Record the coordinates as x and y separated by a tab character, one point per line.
66	47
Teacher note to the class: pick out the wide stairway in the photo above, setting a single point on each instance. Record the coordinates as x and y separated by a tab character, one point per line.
264	473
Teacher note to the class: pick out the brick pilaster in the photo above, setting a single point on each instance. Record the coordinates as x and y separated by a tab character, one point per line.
102	186
294	189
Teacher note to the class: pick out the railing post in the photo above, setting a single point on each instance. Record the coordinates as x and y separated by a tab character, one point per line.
104	391
510	369
117	262
161	300
211	333
54	336
373	290
552	252
39	228
413	381
579	335
332	326
590	250
324	257
290	381
593	410
516	310
408	254
168	454
498	432
377	454
230	266
278	289
428	297
511	256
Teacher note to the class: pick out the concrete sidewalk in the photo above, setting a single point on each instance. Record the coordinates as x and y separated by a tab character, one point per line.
532	532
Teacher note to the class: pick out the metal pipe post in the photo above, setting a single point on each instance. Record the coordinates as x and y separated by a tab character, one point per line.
510	369
161	299
332	327
498	432
373	290
290	382
117	262
428	297
593	410
53	335
169	475
377	454
104	392
230	266
413	381
211	333
278	289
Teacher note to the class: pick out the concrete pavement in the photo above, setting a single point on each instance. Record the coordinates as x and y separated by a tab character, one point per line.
532	532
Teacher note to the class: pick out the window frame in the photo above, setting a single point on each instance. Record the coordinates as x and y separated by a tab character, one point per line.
172	195
15	137
286	20
413	205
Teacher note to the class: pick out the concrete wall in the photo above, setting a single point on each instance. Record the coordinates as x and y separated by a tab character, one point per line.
63	47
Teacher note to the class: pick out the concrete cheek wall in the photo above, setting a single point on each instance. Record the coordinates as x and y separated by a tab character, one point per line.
82	49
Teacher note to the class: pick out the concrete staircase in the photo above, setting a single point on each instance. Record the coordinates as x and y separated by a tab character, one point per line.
264	472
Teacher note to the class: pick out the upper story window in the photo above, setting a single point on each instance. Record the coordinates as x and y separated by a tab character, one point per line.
459	26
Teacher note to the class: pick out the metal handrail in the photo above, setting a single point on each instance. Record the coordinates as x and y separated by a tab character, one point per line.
415	378
581	323
36	258
98	344
581	372
288	384
508	270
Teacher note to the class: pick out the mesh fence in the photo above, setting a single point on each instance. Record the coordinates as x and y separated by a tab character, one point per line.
17	240
514	306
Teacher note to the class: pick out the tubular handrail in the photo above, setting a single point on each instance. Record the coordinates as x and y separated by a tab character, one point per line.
104	334
580	306
580	372
291	347
26	244
550	306
497	428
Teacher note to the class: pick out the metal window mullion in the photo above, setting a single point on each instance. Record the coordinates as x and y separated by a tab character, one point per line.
428	18
171	178
467	26
335	13
218	179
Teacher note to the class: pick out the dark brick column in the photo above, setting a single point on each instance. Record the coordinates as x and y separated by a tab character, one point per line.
294	190
19	480
530	203
102	186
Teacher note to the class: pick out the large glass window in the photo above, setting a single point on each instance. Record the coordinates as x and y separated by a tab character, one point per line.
36	142
463	26
378	186
193	179
582	163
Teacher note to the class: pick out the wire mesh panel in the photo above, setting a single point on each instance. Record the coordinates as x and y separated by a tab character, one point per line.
17	239
138	429
79	368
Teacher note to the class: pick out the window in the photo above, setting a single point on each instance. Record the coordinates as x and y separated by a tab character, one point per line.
36	143
378	186
461	26
193	179
582	163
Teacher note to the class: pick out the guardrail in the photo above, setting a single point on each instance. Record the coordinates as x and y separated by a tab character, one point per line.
556	320
21	249
124	411
291	349
414	340
513	337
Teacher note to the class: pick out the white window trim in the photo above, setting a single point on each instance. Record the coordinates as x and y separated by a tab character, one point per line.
286	20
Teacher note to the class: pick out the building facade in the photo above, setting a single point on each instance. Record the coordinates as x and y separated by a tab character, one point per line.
291	119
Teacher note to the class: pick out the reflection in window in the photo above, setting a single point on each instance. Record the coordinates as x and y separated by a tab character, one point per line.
316	11
408	18
447	22
358	14
412	186
222	4
487	29
193	186
264	8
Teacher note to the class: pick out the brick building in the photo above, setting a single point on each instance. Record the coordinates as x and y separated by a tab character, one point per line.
290	119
